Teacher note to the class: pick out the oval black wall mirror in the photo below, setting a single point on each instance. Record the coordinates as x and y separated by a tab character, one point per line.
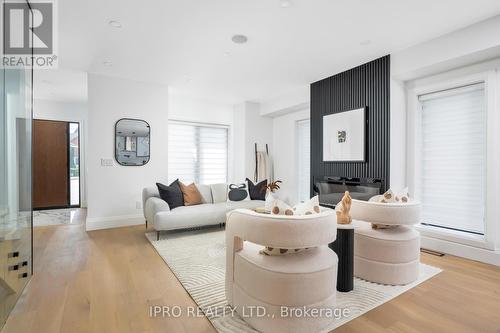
132	142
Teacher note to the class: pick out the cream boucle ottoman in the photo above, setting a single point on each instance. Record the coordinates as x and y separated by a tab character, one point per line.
386	256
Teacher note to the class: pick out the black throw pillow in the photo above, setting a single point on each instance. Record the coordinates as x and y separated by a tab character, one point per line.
257	191
172	194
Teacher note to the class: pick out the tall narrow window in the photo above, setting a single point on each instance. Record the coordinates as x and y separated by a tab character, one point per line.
303	157
197	152
453	158
74	163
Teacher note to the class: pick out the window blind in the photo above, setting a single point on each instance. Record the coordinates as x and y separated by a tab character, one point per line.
304	155
453	158
197	153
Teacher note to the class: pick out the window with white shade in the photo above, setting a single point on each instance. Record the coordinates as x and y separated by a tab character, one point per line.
197	152
452	182
303	158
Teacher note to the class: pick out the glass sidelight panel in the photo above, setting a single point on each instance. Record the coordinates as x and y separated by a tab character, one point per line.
15	187
16	102
74	163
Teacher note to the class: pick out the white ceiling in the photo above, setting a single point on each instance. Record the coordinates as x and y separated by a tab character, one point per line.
187	44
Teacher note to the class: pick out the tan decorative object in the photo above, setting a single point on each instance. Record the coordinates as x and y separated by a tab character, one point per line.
261	210
343	216
273	186
191	194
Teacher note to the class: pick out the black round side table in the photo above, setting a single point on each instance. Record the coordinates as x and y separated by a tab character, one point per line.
343	246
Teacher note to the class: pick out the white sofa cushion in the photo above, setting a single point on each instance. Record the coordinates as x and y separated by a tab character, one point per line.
219	193
195	216
248	204
286	280
190	216
206	193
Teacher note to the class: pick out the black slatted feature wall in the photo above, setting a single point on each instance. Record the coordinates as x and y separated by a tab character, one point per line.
367	86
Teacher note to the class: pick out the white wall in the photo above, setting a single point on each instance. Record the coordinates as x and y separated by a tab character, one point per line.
285	154
398	135
113	192
250	128
72	112
475	43
293	101
59	110
239	142
258	130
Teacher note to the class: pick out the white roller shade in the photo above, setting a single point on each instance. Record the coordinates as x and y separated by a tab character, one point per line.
197	153
304	155
452	185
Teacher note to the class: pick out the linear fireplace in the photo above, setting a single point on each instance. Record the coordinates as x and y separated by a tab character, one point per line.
331	189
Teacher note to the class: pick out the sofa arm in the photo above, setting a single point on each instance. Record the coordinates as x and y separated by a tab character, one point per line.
153	206
148	192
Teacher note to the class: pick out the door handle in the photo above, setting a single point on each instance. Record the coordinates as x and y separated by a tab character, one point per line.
13	267
23	275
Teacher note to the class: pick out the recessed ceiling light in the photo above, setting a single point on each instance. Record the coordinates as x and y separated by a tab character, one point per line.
107	63
365	42
285	3
239	39
115	24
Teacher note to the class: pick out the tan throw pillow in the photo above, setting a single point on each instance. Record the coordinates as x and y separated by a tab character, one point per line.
191	194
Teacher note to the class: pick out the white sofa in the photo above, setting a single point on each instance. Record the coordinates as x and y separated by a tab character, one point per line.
305	280
212	211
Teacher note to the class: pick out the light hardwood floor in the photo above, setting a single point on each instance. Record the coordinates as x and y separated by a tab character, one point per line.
105	281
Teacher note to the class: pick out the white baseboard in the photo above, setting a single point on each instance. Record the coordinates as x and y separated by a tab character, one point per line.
460	250
98	223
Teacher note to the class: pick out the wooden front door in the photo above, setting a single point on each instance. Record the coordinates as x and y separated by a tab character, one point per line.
50	164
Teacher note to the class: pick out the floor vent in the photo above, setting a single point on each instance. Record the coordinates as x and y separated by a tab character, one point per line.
434	253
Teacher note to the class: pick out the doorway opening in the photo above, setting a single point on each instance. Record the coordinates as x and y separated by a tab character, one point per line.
56	165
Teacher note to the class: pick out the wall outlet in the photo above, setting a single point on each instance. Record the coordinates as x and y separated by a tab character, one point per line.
138	205
106	162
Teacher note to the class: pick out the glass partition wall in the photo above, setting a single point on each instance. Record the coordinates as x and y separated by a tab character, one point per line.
15	185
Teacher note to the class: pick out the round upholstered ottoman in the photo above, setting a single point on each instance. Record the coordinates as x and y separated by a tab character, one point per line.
386	256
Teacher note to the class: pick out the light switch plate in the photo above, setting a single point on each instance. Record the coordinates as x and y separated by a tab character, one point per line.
106	162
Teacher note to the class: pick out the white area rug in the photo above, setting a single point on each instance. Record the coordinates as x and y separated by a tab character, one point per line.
197	258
